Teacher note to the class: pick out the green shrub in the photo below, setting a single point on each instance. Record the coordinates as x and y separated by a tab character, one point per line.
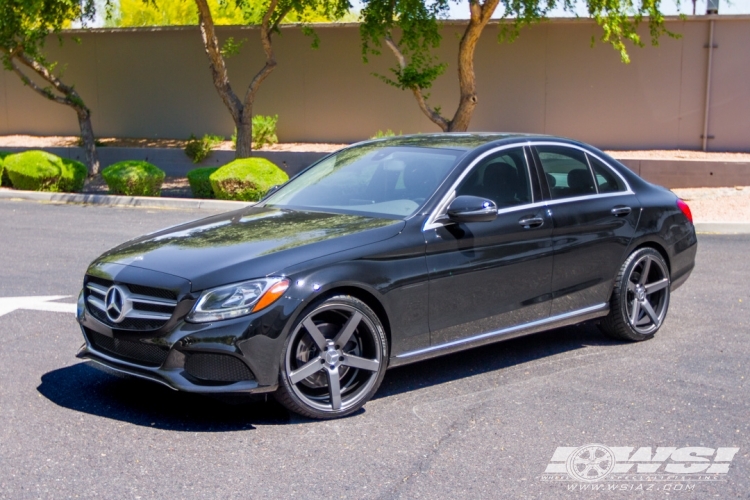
42	171
246	179
381	135
200	149
200	184
4	179
264	131
134	178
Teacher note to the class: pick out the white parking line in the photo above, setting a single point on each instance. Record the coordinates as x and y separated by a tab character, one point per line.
41	303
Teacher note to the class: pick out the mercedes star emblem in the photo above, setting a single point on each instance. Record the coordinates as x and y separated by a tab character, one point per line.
114	304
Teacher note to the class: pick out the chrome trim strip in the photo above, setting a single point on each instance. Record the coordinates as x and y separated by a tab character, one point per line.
138	314
504	331
96	303
587	197
145	299
96	288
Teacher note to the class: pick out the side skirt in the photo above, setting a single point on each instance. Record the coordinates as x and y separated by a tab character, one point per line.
569	318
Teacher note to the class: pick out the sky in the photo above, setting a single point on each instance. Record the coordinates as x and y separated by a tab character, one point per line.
460	10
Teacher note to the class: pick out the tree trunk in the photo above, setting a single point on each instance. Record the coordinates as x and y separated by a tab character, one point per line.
89	142
241	110
480	16
69	97
244	139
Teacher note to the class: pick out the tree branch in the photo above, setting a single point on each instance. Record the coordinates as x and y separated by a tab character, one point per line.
216	60
39	90
433	115
266	31
71	96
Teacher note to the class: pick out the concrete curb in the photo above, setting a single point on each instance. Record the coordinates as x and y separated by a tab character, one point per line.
722	227
122	201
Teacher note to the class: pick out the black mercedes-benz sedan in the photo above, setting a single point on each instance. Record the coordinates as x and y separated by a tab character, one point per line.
385	253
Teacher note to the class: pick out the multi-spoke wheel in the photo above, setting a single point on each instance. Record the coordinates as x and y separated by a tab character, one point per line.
334	359
640	298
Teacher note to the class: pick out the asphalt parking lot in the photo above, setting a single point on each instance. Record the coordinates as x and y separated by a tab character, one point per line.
481	424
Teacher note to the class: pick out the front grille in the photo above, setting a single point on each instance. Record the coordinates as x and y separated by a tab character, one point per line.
128	350
148	308
217	367
153	292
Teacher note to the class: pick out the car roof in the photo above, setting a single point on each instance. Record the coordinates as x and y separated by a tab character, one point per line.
452	140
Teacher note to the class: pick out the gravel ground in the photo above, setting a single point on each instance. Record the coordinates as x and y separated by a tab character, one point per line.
717	204
130	142
678	154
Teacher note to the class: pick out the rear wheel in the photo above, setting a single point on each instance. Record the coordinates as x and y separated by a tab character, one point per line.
640	298
334	359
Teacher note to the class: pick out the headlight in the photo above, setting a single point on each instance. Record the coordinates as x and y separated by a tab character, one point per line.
236	300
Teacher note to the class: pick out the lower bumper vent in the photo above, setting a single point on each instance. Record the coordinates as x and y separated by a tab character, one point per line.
129	350
217	367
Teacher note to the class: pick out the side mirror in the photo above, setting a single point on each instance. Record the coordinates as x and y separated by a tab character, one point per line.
472	209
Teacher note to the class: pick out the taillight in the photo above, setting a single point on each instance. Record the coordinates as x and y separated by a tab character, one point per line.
685	209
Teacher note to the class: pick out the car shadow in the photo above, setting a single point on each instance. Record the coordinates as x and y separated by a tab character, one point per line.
490	357
86	389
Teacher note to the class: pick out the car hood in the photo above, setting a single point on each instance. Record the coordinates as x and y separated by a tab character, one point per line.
246	244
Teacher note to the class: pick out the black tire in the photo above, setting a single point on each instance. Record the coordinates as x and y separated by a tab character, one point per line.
313	355
639	303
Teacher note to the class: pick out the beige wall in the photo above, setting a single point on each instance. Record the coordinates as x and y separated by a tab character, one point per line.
156	83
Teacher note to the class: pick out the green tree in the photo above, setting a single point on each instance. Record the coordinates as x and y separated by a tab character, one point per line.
417	24
130	13
133	13
271	14
25	26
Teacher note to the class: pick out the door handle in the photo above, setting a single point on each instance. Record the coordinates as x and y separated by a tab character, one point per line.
529	222
621	210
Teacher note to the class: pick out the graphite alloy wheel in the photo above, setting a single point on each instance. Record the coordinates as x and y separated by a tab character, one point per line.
334	359
640	298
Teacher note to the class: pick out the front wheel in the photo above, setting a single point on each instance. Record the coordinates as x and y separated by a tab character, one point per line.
334	359
640	298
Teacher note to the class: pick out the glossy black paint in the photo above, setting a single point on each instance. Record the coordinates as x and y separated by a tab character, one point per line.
429	284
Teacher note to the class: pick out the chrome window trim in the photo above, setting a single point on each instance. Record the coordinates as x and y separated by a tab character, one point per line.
432	223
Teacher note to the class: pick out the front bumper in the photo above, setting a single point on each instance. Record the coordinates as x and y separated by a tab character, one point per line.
173	378
252	344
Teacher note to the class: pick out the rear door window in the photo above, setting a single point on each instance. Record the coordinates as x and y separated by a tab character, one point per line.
606	180
567	171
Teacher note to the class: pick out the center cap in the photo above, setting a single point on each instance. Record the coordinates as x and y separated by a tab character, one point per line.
640	293
332	356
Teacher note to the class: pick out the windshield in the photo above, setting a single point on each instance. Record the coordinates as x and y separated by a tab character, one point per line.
371	179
